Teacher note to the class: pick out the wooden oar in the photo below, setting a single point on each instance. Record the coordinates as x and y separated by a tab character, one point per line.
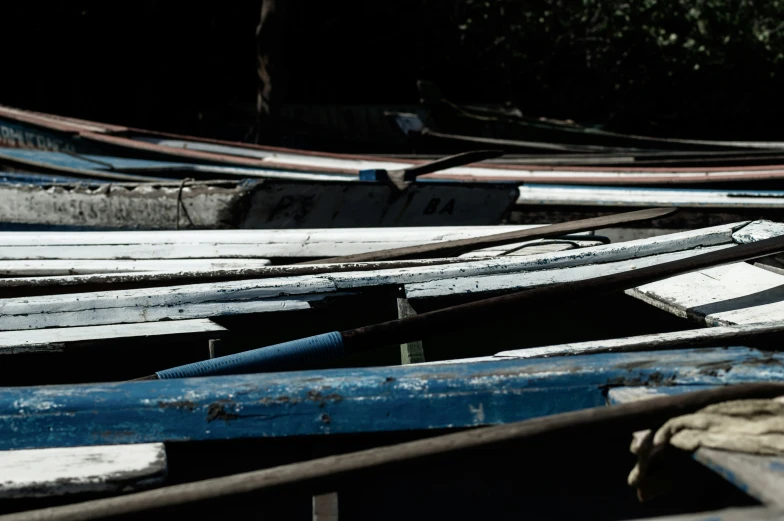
404	177
452	248
316	350
321	475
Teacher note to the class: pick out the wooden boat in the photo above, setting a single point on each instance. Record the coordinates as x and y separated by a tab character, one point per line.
291	199
263	203
24	129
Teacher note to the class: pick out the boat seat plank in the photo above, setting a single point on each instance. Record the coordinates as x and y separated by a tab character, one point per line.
58	340
738	293
73	470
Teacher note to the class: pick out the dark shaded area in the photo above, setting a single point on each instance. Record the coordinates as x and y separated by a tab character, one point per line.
668	68
557	476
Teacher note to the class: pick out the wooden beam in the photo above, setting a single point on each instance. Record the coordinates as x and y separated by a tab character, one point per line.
357	400
323	473
714	337
59	340
733	294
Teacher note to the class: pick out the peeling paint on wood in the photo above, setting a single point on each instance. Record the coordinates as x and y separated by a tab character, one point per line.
28	268
715	336
73	470
62	339
144	304
733	294
207	244
353	400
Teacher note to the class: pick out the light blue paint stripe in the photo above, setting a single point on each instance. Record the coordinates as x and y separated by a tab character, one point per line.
296	354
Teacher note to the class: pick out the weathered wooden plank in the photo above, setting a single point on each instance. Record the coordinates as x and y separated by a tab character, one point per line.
142	304
762	477
72	470
476	285
619	395
698	240
209	244
757	230
646	197
733	294
352	400
83	315
714	336
57	274
57	340
28	268
707	237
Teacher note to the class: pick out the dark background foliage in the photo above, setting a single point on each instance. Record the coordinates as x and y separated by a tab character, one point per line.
709	68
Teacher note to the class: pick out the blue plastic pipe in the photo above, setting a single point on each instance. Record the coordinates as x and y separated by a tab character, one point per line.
296	354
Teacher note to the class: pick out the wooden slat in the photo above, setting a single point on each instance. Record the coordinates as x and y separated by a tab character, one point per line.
734	294
74	470
715	336
199	299
56	340
336	401
209	244
410	352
